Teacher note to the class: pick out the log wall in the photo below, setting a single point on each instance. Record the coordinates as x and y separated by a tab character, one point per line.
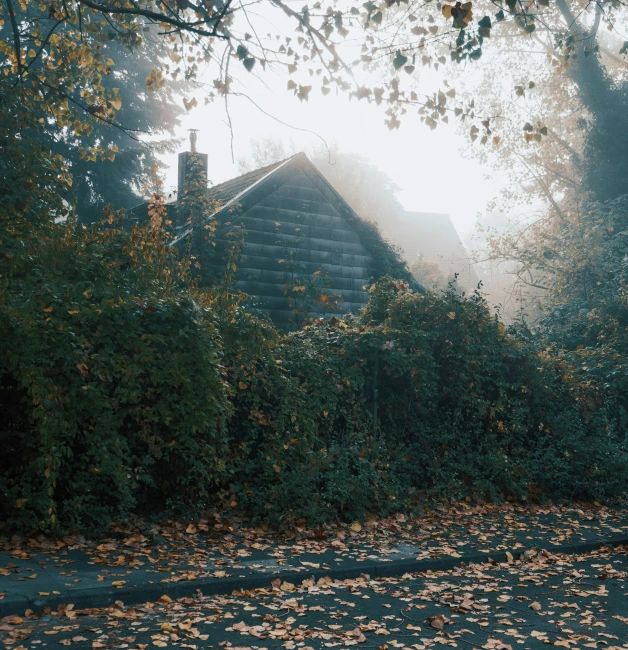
295	226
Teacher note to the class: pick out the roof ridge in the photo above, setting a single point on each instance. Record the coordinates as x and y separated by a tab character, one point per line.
262	171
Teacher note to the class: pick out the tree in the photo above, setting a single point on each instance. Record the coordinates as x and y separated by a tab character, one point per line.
33	180
572	108
568	89
428	274
52	50
122	177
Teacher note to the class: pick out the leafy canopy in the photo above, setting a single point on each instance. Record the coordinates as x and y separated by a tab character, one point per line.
56	52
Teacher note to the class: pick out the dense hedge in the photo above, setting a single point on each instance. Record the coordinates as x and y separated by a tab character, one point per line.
110	383
464	407
125	389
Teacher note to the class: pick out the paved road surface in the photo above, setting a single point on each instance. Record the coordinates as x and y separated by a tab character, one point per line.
539	602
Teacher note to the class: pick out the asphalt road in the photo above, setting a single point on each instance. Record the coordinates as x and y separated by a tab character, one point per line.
564	601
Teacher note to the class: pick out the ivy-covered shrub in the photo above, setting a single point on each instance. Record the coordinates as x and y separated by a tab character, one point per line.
584	315
125	388
111	387
421	395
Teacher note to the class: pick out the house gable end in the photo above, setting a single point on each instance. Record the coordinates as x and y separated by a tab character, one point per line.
295	237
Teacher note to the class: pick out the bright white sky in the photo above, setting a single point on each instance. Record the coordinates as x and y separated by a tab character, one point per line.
426	165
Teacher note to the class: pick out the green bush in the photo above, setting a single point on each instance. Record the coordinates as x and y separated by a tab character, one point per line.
111	383
422	395
126	389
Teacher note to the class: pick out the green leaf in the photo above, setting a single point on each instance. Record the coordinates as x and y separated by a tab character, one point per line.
249	63
242	52
399	60
499	16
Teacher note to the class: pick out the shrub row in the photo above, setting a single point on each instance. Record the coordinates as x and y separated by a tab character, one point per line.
110	383
422	395
124	389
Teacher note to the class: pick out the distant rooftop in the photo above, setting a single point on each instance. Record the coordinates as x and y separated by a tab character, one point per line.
432	236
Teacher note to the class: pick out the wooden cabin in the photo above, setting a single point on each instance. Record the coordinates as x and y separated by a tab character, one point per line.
304	251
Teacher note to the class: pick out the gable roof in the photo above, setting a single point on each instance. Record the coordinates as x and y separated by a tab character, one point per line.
229	190
229	193
250	188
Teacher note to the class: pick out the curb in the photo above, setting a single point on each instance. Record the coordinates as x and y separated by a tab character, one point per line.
210	586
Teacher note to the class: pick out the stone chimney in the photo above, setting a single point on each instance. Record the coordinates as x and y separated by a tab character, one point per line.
184	163
184	159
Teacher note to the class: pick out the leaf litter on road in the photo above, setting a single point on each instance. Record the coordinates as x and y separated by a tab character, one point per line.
224	543
539	600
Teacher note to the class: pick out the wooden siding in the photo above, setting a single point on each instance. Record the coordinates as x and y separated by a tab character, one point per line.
294	225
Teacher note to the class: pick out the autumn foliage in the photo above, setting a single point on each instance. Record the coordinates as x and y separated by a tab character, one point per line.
111	388
125	388
420	396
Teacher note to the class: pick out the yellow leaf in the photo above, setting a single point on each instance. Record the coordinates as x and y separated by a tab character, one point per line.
118	583
242	385
356	527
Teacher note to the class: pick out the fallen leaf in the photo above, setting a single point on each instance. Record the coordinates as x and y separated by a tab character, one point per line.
438	622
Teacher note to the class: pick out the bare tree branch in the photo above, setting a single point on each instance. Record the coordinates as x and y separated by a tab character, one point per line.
158	18
17	45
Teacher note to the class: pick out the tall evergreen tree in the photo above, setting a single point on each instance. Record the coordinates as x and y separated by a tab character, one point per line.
148	116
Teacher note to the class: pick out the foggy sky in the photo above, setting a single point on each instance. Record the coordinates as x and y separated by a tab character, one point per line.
427	165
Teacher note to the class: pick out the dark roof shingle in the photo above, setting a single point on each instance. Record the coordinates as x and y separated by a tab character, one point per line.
227	191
